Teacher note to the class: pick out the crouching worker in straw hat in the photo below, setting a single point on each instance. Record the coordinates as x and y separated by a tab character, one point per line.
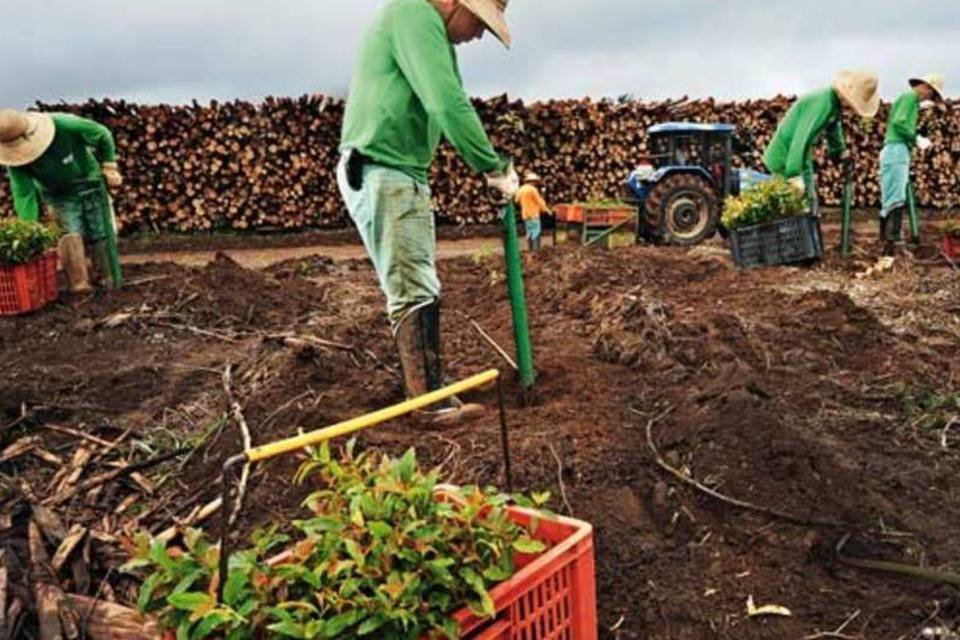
895	158
62	161
790	152
531	206
406	93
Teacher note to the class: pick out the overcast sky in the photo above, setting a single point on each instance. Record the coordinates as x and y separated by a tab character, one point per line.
178	50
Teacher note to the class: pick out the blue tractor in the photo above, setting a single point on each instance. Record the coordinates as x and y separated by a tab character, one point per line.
680	186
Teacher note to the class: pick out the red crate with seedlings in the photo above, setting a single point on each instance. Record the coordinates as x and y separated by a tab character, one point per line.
552	596
30	286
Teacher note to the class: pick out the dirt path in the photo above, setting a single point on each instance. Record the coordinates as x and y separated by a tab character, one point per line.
262	258
337	249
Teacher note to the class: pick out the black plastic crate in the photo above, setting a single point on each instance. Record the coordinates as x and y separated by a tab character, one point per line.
786	241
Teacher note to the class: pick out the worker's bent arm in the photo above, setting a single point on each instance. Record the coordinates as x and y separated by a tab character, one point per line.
541	202
426	58
95	135
798	157
836	142
26	200
904	118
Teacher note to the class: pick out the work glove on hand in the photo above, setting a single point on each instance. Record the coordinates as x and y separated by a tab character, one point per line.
111	174
506	182
923	143
798	184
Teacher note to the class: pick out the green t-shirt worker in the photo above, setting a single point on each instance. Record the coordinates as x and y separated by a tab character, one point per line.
790	152
901	138
407	93
62	161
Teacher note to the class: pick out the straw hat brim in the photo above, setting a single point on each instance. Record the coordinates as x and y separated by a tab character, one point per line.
492	16
26	149
865	108
915	81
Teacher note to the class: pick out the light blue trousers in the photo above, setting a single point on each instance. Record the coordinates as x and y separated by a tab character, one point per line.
894	176
393	214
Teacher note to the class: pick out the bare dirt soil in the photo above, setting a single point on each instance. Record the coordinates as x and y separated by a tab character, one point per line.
812	392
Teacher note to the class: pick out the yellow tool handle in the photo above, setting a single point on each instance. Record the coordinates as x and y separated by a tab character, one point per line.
281	447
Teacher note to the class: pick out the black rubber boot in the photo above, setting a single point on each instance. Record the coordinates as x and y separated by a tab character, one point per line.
896	225
418	341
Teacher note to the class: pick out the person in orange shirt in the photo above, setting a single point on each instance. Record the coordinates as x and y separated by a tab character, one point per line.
531	206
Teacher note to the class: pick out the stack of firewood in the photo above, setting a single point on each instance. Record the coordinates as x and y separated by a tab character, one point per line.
272	165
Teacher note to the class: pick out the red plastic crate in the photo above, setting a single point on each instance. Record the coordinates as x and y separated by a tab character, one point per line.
28	287
951	247
552	596
608	216
569	212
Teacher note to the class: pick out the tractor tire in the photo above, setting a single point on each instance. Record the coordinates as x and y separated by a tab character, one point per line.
682	209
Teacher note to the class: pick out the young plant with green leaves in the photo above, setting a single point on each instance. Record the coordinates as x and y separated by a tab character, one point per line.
22	241
768	201
950	228
377	555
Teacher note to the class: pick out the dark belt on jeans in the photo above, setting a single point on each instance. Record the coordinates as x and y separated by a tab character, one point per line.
356	161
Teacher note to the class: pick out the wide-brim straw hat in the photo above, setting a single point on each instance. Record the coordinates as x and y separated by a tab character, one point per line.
493	14
934	81
860	90
530	176
24	136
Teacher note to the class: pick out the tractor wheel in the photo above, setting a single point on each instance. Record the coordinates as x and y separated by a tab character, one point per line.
682	209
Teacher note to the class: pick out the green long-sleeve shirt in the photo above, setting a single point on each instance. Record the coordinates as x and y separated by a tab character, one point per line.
790	153
407	91
904	116
79	147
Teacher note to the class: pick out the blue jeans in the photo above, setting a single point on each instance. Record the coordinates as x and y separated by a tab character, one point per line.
533	228
393	214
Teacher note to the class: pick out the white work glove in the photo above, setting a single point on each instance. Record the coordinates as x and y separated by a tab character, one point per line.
923	143
798	184
506	182
111	173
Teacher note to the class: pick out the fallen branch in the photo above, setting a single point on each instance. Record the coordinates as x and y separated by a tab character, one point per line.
3	597
75	536
563	488
202	514
145	280
46	594
930	575
109	476
740	504
77	434
496	347
237	411
300	340
838	632
111	621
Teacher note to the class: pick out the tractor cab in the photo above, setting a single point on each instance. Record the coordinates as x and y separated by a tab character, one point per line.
680	185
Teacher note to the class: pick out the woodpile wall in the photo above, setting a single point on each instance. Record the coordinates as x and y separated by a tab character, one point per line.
271	165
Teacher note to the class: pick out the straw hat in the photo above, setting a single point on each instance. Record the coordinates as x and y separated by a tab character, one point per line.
530	176
934	81
859	89
24	136
492	12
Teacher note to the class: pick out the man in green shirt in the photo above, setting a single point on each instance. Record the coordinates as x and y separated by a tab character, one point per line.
63	161
901	138
790	152
407	93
